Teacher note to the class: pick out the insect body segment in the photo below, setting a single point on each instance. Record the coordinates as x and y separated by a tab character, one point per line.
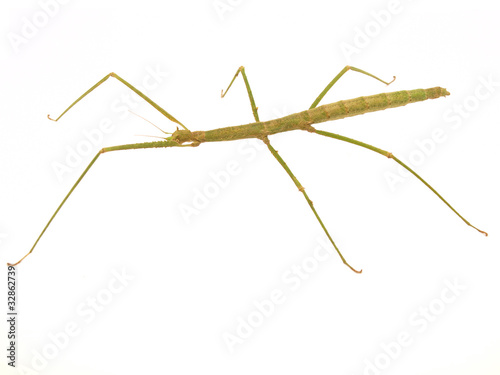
302	120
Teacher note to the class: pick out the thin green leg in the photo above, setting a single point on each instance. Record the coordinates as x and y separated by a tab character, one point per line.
156	106
250	95
166	143
391	156
337	77
318	99
302	190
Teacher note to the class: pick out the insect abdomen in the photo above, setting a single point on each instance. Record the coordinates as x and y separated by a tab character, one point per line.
364	104
327	112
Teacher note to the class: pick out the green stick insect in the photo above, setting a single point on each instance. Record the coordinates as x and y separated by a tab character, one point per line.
263	129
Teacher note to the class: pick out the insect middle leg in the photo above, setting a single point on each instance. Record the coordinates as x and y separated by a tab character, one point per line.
241	70
302	190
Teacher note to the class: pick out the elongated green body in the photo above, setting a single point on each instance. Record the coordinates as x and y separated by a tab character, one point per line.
302	120
262	129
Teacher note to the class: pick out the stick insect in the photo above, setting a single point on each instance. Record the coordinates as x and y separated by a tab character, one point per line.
304	120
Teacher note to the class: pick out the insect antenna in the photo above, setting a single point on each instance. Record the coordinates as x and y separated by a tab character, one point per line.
151	136
157	127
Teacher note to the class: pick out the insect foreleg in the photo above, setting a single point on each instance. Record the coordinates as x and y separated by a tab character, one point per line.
166	143
156	106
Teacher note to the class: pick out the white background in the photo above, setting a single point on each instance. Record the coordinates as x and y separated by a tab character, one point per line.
195	281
